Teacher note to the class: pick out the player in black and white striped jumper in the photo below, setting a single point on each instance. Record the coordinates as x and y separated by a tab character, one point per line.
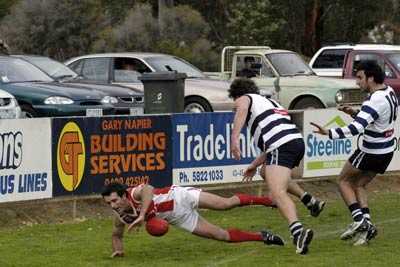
282	146
375	121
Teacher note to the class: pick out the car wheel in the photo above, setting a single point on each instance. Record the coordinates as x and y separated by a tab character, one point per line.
28	112
308	103
196	105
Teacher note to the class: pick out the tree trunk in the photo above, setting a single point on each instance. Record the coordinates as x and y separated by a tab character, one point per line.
162	5
312	31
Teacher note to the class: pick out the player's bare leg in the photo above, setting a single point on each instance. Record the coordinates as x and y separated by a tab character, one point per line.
314	205
278	179
348	180
209	230
215	202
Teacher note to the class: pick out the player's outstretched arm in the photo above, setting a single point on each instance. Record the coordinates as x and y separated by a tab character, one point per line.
117	235
145	195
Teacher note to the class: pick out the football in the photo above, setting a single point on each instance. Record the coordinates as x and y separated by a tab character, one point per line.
157	227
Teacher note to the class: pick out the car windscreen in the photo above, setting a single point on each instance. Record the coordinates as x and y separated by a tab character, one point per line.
394	58
18	70
289	64
165	63
53	68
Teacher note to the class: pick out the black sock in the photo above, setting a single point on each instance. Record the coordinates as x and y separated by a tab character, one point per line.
306	199
366	214
356	212
295	229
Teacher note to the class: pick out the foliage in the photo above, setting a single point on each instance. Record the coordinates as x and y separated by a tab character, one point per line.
195	30
5	6
52	27
253	23
358	17
182	32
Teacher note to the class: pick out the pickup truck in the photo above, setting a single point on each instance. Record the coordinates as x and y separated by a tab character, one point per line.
284	76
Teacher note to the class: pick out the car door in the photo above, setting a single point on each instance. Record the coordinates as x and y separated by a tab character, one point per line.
356	57
94	69
329	63
127	71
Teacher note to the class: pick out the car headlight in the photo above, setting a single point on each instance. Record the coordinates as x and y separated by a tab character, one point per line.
339	97
58	100
109	100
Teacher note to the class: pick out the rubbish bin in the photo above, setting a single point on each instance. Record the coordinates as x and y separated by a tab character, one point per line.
164	92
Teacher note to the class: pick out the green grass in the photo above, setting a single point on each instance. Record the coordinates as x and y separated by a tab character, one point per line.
88	243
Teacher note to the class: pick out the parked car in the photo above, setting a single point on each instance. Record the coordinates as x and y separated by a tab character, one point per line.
387	56
328	61
284	76
40	96
9	108
202	94
129	100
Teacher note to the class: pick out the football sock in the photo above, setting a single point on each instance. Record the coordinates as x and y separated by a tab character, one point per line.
356	212
366	214
236	235
254	200
307	199
295	229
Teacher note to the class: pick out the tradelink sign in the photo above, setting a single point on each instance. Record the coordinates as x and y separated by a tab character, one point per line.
205	140
202	149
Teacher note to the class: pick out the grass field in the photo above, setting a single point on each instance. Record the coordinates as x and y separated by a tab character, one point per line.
88	243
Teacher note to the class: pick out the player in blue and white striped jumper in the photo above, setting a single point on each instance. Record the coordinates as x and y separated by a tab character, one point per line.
282	149
375	121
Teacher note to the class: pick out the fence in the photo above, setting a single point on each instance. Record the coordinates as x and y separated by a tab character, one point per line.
52	157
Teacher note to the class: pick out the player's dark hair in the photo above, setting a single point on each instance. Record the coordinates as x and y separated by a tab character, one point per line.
242	86
371	69
120	189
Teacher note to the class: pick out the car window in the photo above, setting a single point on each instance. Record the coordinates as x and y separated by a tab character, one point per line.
53	68
168	63
288	64
389	73
252	66
330	59
358	58
95	69
77	66
18	70
129	69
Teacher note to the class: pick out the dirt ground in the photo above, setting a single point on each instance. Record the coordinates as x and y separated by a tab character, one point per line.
68	210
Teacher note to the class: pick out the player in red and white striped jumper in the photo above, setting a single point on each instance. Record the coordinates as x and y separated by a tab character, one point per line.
178	206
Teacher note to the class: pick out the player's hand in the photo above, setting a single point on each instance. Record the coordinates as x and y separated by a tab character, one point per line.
137	223
235	149
249	174
320	129
347	110
117	253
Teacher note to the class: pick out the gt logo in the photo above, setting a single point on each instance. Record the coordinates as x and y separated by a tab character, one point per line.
70	156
